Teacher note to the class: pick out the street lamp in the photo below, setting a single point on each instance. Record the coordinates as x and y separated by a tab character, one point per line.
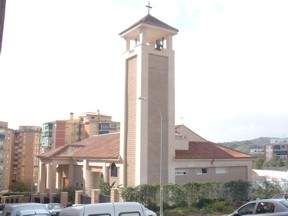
161	157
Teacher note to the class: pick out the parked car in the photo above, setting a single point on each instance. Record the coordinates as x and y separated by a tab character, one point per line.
25	209
54	208
1	209
111	209
148	212
264	207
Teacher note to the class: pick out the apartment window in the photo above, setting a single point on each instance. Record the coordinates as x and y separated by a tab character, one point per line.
221	170
202	171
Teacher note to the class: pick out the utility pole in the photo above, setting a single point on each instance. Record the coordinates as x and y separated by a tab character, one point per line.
2	16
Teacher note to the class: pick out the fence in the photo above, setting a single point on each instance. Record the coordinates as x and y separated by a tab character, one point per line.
28	197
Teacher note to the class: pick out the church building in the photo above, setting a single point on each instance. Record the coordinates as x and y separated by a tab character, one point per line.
149	148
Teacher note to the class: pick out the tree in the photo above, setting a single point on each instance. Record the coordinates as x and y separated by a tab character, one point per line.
266	190
276	162
20	187
259	163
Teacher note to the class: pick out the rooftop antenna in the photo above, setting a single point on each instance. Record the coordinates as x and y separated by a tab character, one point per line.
149	7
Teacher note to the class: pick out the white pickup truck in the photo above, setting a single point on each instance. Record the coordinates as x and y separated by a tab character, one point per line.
108	209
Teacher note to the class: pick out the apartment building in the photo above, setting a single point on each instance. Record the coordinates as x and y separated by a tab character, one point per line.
6	146
26	147
64	132
96	123
277	148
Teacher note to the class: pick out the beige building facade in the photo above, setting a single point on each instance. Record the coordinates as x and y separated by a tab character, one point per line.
6	147
149	102
25	150
198	160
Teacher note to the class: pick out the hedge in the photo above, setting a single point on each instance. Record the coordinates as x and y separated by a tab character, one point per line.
192	194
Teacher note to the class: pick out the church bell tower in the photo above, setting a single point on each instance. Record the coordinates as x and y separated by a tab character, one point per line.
148	126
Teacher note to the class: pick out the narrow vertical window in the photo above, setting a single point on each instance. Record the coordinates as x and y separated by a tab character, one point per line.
114	171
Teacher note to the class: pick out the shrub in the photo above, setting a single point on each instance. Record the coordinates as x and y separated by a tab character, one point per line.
20	187
145	194
128	194
208	197
203	203
192	193
237	190
266	190
222	206
174	195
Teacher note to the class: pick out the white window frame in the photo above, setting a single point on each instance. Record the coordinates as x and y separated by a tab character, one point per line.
221	170
200	171
180	172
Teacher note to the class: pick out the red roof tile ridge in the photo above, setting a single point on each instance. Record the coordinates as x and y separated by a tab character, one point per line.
209	150
52	152
224	147
235	150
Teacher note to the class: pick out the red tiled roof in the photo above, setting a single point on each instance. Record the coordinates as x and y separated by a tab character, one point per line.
108	147
96	147
209	150
53	152
102	147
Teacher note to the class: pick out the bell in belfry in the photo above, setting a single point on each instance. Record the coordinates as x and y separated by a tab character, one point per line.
159	44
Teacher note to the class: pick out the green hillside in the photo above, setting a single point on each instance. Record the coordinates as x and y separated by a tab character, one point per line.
246	145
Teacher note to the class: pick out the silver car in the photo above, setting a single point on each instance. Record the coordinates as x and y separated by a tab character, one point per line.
25	209
54	208
264	207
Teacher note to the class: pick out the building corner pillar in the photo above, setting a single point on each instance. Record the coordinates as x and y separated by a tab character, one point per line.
51	177
87	178
41	177
71	174
105	173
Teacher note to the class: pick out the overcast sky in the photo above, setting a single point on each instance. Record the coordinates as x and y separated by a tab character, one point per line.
62	56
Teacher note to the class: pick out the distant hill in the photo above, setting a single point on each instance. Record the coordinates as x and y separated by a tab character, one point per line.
246	145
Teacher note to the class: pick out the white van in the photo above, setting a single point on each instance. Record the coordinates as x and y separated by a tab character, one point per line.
25	209
108	209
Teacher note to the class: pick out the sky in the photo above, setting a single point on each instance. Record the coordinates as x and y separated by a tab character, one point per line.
62	56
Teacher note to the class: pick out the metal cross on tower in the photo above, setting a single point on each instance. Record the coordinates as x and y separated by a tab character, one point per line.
149	7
